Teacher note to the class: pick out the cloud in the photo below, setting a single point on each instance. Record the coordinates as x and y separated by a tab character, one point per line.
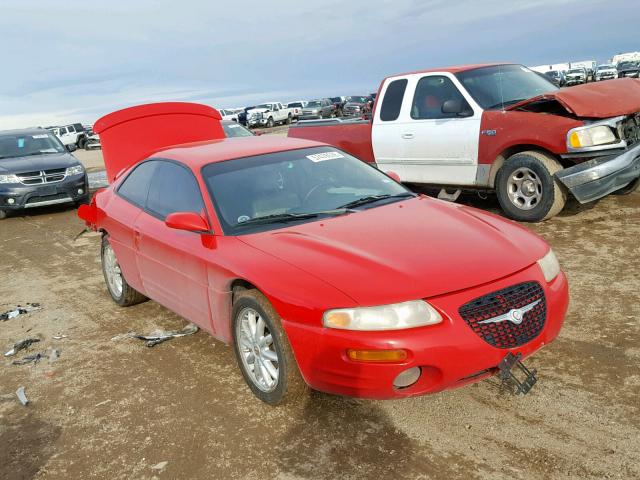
76	61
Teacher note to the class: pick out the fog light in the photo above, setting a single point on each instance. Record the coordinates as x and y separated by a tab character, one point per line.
80	191
11	201
407	378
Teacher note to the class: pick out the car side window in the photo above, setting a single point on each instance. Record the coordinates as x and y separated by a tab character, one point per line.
431	93
173	189
390	109
135	188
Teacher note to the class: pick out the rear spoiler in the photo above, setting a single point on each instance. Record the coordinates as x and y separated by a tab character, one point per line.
133	134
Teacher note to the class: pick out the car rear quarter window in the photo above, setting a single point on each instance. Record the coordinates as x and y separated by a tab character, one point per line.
135	188
392	102
173	189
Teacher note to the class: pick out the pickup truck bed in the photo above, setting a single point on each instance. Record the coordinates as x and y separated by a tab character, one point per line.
352	136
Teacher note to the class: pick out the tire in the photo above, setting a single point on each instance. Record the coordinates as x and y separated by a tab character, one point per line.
82	143
3	214
526	188
289	387
630	188
125	296
270	122
288	120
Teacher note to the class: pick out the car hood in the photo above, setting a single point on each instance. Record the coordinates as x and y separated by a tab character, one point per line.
417	248
595	100
37	162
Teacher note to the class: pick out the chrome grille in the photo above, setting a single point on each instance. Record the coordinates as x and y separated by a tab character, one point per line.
53	175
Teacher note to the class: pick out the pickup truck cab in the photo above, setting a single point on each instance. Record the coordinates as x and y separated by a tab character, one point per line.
269	114
500	127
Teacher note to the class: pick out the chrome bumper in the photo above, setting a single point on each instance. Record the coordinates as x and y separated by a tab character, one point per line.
601	176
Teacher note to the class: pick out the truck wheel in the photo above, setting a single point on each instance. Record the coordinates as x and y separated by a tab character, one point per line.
288	121
123	294
3	214
526	189
270	122
263	351
82	143
630	188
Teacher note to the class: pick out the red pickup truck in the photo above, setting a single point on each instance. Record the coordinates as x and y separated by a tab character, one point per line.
500	127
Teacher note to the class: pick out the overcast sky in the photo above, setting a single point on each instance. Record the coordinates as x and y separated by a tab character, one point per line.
75	61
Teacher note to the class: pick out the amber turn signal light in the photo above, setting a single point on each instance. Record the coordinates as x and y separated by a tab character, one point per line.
377	355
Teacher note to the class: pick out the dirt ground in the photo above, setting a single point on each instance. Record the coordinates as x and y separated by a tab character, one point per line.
116	409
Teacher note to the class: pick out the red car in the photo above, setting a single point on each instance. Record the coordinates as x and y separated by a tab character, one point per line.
321	270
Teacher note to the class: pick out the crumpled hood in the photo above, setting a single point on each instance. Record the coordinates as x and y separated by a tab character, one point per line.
595	100
36	163
417	248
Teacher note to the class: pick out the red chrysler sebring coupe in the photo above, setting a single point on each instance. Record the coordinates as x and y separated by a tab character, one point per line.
322	271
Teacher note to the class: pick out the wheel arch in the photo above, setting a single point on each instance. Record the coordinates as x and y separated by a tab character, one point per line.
519	148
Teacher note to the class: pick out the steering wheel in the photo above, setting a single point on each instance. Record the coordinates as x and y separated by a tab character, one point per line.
313	190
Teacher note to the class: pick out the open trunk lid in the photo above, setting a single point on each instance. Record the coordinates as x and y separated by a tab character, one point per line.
133	134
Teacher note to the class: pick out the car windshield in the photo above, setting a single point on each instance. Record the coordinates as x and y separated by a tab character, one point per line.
626	65
270	191
314	103
233	129
295	104
35	143
575	70
503	85
605	67
553	73
357	99
265	105
336	99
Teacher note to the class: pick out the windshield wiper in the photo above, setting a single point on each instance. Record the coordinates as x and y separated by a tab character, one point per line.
374	198
292	217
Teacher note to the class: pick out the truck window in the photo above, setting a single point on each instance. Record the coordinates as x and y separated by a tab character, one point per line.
392	102
431	93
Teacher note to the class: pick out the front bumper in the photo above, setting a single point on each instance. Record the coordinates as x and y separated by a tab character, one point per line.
449	354
601	176
41	195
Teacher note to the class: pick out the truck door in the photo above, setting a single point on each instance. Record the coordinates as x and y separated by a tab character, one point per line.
430	141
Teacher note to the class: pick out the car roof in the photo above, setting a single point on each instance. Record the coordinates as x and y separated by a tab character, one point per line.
453	69
199	154
24	131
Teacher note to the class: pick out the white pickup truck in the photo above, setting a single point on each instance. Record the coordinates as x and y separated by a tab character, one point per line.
498	127
269	114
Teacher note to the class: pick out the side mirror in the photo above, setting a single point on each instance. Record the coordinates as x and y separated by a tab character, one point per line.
188	221
71	147
393	175
456	107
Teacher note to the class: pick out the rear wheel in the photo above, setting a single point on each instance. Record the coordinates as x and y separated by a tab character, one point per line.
288	121
526	188
632	187
263	351
123	294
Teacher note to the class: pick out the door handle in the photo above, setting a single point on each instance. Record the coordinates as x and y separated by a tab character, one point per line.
136	239
407	136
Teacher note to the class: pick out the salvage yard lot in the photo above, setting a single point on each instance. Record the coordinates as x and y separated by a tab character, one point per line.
115	409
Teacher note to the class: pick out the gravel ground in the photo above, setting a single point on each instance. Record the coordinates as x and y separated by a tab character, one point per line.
117	409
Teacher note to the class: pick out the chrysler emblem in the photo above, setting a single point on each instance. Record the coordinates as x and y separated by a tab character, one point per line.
515	315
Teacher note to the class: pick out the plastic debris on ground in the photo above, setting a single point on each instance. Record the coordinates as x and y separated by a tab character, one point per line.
158	336
19	310
59	337
21	345
35	358
160	466
21	396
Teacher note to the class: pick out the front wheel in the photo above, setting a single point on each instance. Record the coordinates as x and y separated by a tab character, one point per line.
121	292
526	188
270	122
3	214
288	121
263	351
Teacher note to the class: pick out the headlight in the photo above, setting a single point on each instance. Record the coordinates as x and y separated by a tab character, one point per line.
75	170
549	265
415	313
590	136
9	179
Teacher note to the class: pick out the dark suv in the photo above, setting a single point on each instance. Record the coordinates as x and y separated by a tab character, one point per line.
37	170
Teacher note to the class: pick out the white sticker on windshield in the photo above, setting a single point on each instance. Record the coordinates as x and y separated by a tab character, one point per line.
321	157
41	135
